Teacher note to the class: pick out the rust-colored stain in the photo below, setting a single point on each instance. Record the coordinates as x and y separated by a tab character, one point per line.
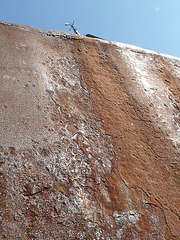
89	138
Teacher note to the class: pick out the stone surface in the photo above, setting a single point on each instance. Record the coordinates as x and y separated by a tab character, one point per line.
89	140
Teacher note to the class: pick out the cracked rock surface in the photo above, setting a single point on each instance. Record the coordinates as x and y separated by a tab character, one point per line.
89	138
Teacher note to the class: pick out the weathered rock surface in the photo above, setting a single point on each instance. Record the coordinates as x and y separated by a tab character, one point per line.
89	140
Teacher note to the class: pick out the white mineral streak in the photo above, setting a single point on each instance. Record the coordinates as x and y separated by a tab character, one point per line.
129	217
142	50
149	88
86	205
74	161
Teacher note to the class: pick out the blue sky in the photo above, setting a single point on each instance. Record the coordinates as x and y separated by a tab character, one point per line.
151	24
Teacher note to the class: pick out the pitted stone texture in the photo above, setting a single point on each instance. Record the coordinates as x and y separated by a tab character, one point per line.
89	138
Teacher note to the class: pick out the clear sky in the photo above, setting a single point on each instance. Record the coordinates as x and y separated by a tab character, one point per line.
150	24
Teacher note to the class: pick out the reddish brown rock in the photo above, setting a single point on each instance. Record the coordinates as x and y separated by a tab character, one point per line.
89	138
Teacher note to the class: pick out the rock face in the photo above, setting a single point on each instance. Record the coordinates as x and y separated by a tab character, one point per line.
89	140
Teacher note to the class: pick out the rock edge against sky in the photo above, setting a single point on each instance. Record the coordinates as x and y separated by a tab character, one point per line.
89	138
